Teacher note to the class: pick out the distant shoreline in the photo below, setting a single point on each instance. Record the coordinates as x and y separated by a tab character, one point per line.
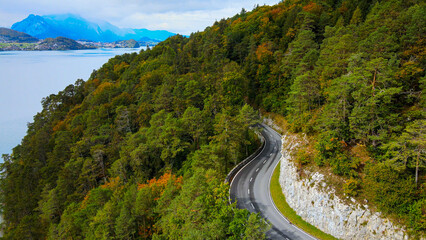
30	76
43	50
40	46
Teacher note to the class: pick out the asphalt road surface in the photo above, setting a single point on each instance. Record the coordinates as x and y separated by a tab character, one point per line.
250	188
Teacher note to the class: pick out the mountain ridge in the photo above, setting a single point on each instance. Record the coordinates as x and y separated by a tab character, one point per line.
141	148
9	35
76	27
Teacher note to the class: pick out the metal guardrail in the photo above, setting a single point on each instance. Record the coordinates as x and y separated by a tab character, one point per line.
232	173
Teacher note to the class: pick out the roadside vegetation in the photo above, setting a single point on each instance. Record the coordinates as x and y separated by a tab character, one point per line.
141	148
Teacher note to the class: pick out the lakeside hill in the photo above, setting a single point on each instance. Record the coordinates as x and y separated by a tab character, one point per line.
8	36
60	43
11	40
128	43
140	150
76	28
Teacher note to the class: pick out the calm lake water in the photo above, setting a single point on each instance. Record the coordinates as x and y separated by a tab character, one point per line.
28	76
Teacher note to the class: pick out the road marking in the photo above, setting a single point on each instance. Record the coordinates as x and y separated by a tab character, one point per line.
252	205
255	158
251	179
264	161
276	209
270	154
232	181
248	191
257	169
275	148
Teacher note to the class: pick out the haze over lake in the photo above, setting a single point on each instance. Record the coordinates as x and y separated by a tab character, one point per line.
28	76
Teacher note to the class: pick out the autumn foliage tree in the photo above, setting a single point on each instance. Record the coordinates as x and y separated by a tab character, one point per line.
118	155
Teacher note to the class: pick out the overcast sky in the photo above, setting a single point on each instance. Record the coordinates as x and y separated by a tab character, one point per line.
180	16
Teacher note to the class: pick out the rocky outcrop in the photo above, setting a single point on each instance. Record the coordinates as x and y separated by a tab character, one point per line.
317	204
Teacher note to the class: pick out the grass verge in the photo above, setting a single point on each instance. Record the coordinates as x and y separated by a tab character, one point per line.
289	213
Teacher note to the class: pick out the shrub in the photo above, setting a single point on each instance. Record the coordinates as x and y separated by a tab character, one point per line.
351	187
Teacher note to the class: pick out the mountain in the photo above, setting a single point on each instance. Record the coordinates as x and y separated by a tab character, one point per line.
60	43
76	27
15	41
8	36
140	150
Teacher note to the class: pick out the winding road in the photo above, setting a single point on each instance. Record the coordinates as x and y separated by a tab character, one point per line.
250	188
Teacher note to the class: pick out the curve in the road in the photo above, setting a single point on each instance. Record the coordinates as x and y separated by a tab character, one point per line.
250	187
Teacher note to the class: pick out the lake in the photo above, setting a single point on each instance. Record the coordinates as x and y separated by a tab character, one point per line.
28	76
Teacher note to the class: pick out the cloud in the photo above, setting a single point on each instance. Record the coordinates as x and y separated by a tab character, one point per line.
182	17
179	22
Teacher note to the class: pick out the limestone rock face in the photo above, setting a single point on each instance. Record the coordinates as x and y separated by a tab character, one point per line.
317	204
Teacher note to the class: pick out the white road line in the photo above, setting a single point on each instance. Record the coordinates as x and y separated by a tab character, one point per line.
270	197
270	154
257	169
276	209
269	193
264	161
232	181
248	191
251	179
268	186
252	205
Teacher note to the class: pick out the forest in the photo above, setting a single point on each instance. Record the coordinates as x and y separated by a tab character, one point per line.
141	149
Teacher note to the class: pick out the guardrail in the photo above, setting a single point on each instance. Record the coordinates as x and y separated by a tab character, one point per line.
237	168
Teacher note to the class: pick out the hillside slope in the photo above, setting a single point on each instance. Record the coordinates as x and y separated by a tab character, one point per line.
9	35
59	43
140	150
